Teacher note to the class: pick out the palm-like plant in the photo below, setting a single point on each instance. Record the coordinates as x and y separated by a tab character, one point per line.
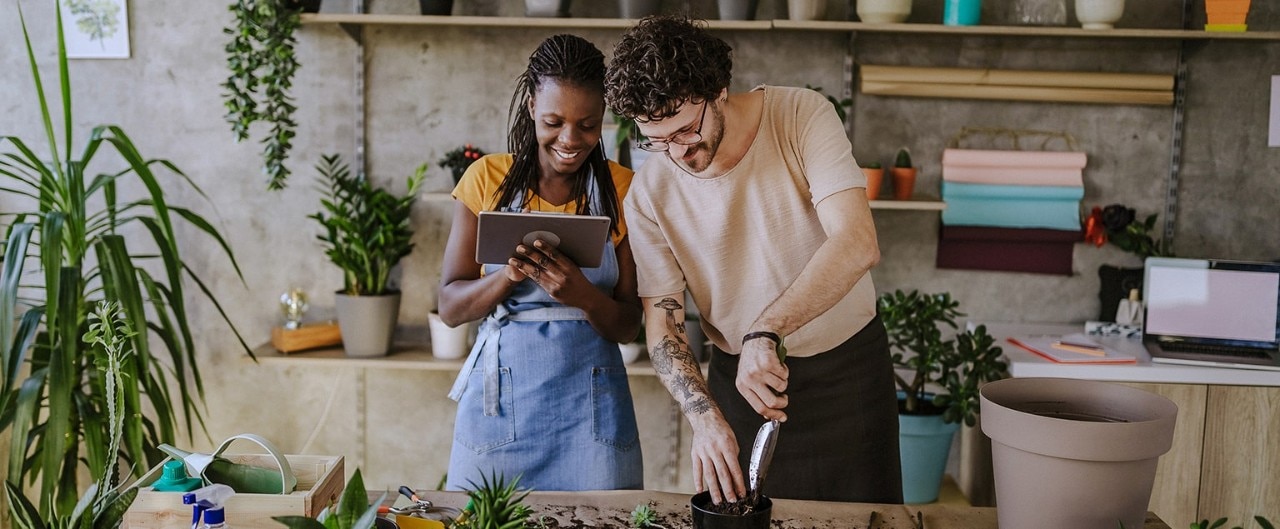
73	235
366	229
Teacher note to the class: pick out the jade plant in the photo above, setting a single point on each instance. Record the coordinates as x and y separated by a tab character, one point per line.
959	365
261	59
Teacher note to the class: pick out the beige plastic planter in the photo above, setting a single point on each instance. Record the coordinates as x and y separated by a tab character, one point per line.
1074	453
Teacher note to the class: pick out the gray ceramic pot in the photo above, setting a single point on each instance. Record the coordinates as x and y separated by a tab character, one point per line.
367	322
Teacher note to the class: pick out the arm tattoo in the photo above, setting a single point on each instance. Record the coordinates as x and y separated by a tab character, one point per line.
677	367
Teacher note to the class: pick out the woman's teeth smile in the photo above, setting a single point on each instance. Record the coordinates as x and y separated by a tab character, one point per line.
567	156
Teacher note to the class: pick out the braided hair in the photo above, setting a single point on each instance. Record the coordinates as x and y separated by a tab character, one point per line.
567	59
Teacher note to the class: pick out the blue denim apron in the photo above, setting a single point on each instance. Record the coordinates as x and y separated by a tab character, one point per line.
544	396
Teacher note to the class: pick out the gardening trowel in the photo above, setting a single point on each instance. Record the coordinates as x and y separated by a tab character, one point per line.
761	454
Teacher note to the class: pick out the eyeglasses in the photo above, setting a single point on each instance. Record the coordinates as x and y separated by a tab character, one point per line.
683	138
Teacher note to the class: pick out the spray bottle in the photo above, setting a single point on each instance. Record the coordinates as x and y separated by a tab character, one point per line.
209	501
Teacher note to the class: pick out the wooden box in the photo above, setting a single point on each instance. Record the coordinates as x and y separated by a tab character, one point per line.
320	483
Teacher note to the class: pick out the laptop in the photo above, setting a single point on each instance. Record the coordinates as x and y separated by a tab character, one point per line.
1212	312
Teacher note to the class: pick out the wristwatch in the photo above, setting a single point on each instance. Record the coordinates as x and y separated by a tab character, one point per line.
778	347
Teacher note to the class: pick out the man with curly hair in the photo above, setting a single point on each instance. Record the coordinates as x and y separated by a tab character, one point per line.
759	210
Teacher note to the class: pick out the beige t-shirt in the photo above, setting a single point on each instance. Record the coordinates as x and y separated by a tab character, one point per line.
736	241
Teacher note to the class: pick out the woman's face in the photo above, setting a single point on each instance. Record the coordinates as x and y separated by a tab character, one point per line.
567	119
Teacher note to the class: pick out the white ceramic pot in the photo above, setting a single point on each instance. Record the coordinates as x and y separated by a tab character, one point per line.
631	352
448	343
1099	14
883	11
806	9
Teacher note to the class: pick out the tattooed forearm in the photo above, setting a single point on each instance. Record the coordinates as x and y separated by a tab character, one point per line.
676	365
697	406
663	354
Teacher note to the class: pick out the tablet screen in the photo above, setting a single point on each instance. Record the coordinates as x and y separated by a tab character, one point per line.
579	237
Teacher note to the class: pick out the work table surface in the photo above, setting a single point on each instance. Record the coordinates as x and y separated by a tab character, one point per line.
1023	363
612	509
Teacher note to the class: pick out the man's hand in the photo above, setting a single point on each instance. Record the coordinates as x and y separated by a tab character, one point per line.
715	461
762	379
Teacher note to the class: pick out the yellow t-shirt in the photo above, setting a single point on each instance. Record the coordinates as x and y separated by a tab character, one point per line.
478	189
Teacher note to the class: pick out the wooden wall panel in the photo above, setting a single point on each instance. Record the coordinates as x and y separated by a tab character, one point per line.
1241	474
1177	488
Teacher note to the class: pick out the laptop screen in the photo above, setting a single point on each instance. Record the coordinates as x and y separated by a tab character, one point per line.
1217	300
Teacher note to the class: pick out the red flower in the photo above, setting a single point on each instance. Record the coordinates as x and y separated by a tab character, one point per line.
1094	231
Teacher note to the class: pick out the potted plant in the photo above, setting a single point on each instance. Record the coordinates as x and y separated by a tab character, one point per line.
928	418
875	179
494	504
71	235
105	501
458	160
904	175
366	233
353	510
261	59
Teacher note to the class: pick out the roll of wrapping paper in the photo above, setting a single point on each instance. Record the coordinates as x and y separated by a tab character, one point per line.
1018	85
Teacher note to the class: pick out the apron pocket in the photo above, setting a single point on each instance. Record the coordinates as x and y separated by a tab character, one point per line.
613	416
478	431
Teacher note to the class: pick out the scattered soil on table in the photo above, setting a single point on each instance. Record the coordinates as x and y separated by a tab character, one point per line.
578	517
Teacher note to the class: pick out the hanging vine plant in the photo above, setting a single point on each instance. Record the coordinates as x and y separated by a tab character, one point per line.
262	63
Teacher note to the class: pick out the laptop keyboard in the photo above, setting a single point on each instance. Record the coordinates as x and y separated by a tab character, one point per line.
1183	347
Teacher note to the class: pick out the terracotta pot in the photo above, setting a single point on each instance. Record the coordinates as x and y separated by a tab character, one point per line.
1074	453
875	178
1226	11
904	182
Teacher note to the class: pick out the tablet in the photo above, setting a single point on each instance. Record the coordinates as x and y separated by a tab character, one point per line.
580	237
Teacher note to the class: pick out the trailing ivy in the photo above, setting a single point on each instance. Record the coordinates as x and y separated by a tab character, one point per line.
262	63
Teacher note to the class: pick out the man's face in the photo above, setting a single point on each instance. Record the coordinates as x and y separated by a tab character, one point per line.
692	135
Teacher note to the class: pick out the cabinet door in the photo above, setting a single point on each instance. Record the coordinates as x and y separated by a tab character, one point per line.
1241	454
1177	486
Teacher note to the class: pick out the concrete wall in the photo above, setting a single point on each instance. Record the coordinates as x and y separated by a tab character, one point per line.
432	89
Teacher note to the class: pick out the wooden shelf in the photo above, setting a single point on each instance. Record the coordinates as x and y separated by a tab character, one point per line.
403	356
806	25
915	204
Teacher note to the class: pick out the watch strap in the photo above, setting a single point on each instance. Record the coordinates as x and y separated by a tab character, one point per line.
778	347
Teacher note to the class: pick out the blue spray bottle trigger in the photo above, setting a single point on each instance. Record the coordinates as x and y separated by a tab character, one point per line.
203	499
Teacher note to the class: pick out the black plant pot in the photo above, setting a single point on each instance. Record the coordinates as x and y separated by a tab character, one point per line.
1115	285
436	7
703	518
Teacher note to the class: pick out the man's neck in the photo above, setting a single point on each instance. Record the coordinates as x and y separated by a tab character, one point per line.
742	114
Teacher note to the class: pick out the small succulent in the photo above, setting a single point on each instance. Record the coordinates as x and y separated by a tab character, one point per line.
644	517
903	159
872	165
495	504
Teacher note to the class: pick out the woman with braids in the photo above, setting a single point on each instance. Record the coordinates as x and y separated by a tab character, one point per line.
544	393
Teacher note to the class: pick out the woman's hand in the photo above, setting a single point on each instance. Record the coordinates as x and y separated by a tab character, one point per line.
558	275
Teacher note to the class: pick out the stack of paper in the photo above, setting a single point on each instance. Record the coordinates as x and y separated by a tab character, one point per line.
1071	349
1016	211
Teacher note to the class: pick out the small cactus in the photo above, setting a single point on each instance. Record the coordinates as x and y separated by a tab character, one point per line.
903	159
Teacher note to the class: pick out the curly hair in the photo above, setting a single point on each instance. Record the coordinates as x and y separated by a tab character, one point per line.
663	62
569	59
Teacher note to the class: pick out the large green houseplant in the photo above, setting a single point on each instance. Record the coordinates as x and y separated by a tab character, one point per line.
366	232
52	399
942	390
262	62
